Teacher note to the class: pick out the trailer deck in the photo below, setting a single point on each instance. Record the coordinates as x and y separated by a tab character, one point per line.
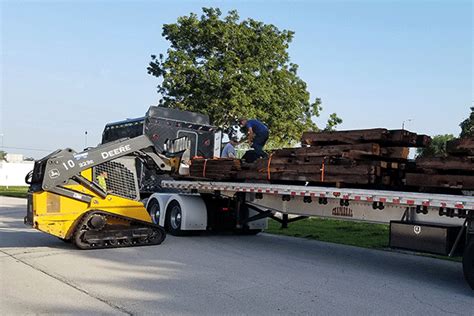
410	199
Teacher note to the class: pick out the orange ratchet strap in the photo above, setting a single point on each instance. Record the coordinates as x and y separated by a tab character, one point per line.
204	168
323	169
268	166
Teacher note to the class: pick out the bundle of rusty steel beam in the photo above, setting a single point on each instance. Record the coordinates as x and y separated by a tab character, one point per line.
453	171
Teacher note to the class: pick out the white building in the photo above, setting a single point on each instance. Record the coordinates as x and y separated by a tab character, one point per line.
14	170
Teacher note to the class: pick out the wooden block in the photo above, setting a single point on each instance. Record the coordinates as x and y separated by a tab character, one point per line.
447	163
344	137
423	141
380	136
328	150
461	146
217	169
440	181
395	152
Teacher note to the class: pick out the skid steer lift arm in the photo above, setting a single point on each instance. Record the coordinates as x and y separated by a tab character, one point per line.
66	200
63	165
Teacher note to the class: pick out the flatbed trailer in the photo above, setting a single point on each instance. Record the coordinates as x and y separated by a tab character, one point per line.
424	222
436	223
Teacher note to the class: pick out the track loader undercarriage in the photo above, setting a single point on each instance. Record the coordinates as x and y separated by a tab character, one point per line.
97	229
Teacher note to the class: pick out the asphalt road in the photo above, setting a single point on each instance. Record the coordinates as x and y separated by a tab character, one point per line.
215	275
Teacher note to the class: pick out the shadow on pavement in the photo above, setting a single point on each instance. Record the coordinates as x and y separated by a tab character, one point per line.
225	274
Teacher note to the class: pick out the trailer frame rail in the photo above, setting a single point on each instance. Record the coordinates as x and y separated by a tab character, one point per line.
381	197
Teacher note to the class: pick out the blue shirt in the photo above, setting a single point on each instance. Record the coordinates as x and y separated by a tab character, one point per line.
228	151
257	126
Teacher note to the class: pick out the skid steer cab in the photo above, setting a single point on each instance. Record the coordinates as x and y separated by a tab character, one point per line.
92	199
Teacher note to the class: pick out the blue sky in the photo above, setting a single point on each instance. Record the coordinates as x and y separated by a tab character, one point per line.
72	66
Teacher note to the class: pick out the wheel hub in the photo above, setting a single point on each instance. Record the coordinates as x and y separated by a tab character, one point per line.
176	218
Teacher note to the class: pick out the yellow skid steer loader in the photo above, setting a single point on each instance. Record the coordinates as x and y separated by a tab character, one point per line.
92	198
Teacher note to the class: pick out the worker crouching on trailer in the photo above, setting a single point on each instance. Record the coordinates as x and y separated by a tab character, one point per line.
257	134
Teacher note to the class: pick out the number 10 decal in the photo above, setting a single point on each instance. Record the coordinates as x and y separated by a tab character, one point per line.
70	163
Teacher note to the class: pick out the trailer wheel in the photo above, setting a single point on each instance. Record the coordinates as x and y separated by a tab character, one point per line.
468	263
174	217
154	211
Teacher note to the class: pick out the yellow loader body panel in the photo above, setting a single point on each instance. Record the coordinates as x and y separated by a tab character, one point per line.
57	215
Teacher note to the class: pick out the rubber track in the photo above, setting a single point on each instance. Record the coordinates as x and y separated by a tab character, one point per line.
137	224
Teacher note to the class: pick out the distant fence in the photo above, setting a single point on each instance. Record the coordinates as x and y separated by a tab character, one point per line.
13	173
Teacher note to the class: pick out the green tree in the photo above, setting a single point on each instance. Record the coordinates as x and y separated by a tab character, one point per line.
333	121
467	126
3	155
437	147
228	68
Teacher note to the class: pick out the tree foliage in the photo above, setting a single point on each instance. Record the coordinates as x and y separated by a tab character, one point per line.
228	68
333	121
3	155
467	126
437	147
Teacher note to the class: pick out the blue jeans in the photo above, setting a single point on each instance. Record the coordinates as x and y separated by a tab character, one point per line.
259	142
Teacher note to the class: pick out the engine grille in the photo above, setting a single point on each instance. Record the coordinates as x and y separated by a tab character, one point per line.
120	177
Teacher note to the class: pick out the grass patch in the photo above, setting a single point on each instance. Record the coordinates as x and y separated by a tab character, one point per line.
341	232
14	191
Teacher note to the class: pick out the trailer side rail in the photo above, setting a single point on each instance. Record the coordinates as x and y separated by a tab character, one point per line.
410	199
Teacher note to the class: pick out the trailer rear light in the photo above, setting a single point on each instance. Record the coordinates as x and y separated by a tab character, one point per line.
225	209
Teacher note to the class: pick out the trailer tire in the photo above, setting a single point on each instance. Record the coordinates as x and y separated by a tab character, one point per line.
154	210
468	263
174	216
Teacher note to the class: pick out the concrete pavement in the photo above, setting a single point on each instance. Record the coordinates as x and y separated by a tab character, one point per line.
215	275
